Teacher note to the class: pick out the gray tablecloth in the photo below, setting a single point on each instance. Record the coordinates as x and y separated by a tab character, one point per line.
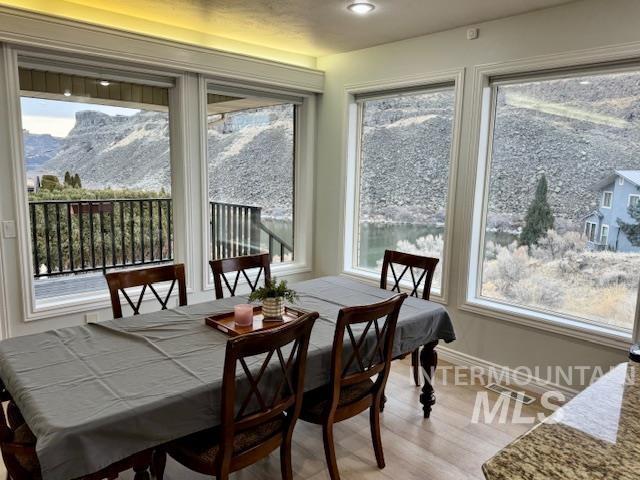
96	394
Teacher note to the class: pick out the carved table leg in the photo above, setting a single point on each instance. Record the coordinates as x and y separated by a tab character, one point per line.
428	361
158	464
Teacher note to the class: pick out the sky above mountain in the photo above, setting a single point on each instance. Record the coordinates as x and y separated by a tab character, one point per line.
57	118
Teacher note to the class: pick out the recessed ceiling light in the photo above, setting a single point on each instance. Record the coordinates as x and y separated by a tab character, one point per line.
67	93
105	83
361	8
585	82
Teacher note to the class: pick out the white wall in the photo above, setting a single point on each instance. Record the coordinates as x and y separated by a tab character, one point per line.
576	26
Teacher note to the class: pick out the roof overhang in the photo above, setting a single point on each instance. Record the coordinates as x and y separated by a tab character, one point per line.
604	182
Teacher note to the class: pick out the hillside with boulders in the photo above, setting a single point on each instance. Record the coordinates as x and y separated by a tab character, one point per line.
574	132
39	149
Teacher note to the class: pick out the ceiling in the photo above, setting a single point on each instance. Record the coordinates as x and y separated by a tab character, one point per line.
311	27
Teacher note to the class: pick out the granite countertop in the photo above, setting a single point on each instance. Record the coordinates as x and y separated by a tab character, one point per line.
594	436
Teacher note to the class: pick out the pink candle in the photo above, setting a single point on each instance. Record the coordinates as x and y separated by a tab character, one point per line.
243	315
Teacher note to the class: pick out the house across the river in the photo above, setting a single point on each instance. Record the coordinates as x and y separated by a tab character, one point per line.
618	192
33	185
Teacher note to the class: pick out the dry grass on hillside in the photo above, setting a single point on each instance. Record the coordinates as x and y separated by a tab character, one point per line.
559	275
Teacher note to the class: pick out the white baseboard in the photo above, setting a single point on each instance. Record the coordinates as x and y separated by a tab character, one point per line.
532	384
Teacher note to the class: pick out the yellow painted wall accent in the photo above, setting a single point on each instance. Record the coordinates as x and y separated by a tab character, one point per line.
136	19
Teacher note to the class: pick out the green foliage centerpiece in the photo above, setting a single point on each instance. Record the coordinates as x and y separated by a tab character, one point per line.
272	296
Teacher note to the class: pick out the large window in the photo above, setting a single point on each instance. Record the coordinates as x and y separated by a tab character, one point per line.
97	161
560	219
251	166
404	164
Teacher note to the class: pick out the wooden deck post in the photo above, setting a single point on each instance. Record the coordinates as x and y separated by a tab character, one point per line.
255	229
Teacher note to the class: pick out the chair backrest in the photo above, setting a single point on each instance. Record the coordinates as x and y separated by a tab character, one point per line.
146	278
369	350
426	267
240	265
251	398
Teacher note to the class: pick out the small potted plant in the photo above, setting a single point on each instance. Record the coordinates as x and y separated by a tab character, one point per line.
272	296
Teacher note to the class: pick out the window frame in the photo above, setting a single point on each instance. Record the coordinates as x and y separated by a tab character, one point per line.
351	173
303	145
486	78
590	232
631	197
602	229
82	303
604	197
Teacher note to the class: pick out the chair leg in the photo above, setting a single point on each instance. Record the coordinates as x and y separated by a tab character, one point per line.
159	461
415	364
223	474
285	458
330	451
374	420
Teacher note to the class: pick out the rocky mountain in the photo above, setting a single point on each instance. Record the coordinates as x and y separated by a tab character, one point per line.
405	158
573	131
39	149
116	151
250	159
250	155
576	132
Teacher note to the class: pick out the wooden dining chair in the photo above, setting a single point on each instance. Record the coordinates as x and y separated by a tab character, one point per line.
259	406
240	265
352	389
421	270
118	282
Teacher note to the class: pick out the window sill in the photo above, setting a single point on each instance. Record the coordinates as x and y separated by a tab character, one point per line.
599	334
87	302
277	270
373	278
84	303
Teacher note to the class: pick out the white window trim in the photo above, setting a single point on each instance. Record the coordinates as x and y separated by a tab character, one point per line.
351	176
4	311
602	228
540	320
469	299
604	196
303	184
632	195
373	278
70	304
591	228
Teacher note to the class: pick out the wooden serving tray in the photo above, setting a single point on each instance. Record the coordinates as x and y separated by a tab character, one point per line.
225	322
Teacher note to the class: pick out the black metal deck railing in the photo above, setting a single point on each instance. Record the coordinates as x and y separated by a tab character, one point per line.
91	235
76	236
238	230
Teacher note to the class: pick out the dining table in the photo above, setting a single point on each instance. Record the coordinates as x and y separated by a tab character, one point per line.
98	393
